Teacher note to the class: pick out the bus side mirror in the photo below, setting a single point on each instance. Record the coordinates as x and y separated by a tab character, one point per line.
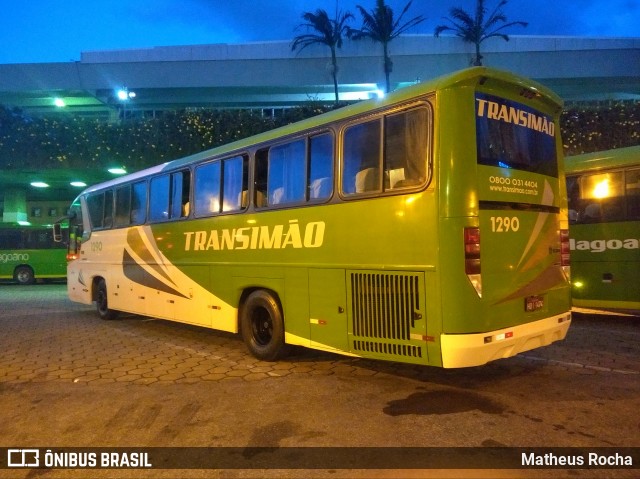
57	233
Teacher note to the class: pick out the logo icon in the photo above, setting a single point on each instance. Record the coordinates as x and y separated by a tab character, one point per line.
23	458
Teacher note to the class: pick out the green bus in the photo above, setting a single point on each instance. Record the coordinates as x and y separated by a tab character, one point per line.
604	226
28	253
429	226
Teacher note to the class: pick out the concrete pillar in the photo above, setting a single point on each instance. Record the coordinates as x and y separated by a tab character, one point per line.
15	205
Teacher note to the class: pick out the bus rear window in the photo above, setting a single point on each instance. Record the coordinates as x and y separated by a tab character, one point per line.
512	135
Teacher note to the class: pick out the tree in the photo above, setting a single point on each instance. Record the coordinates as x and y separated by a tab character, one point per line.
329	32
380	26
474	29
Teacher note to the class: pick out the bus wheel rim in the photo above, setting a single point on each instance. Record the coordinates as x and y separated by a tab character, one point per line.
262	326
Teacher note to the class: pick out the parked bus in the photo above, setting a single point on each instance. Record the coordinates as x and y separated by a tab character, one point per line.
28	253
427	227
604	217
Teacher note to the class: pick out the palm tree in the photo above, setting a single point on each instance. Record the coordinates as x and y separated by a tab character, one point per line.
380	26
474	29
329	32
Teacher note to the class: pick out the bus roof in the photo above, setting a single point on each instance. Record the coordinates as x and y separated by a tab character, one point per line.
616	158
468	76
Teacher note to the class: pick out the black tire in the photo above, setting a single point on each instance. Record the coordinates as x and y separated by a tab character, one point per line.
262	326
24	275
102	305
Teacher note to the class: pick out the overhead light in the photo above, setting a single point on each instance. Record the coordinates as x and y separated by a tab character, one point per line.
124	94
59	102
39	184
79	184
117	171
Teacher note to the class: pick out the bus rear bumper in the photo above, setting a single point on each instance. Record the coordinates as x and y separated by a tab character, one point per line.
465	350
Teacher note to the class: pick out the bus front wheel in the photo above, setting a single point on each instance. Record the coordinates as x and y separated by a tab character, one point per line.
102	306
24	275
262	326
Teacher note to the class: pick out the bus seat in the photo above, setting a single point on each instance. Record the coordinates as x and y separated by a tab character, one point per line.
277	196
243	198
367	180
260	199
320	188
396	177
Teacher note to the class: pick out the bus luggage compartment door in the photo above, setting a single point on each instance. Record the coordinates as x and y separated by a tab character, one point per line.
327	309
387	315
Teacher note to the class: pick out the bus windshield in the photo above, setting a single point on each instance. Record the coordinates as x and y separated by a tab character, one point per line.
513	135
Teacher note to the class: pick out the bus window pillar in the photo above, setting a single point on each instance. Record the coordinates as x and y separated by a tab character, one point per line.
15	205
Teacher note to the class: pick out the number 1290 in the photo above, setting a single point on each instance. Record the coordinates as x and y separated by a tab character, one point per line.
504	224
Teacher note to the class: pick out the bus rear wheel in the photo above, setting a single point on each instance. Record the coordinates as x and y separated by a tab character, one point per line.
102	306
262	326
24	275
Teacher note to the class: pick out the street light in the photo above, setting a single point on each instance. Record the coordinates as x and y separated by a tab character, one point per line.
124	95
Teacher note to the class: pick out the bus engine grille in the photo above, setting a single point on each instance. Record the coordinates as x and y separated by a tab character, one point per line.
387	314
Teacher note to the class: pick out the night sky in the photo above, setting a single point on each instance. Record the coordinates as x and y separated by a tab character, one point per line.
35	31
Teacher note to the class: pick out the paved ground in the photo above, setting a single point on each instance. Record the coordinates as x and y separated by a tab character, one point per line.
68	379
141	350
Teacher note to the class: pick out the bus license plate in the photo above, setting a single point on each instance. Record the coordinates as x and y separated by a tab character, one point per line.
533	303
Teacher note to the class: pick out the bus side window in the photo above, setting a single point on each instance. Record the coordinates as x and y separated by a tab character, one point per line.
207	189
603	197
260	175
234	182
632	187
108	209
95	205
573	198
287	173
361	167
320	182
159	198
139	203
11	240
123	205
405	147
100	207
180	182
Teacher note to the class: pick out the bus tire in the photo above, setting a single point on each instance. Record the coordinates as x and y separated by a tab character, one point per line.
24	275
102	306
262	326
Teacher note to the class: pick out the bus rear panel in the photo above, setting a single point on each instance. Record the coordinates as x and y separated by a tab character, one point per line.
505	223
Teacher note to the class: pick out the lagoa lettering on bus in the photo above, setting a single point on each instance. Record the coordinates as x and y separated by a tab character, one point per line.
291	235
600	245
13	257
509	114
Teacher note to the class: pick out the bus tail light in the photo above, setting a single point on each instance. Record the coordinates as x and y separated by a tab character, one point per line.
565	252
472	258
72	256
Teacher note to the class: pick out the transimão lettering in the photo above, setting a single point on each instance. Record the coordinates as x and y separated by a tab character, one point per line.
509	114
291	235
